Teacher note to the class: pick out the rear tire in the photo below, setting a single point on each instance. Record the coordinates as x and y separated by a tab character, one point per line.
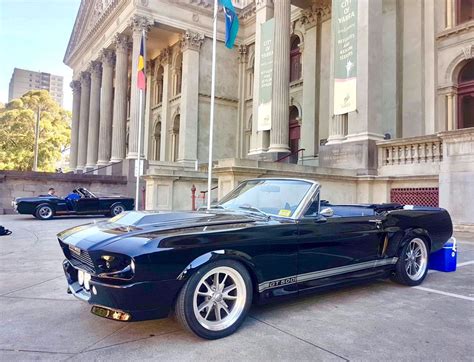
44	212
412	265
116	209
215	300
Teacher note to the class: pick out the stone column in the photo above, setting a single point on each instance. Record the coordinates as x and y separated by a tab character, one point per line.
259	140
76	109
165	60
138	24
188	128
310	124
83	121
106	106
119	119
281	78
94	115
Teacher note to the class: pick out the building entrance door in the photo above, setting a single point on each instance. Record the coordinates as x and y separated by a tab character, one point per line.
294	134
466	96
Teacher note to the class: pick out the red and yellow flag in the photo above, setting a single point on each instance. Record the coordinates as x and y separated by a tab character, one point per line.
141	79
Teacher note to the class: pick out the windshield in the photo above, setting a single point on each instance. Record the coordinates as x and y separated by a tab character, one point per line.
272	197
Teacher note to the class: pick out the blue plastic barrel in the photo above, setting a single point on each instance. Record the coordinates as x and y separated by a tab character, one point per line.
445	259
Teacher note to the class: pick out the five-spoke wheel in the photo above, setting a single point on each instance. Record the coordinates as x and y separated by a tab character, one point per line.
116	209
412	265
214	301
44	212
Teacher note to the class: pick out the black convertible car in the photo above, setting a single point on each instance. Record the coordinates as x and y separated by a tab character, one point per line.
80	202
267	239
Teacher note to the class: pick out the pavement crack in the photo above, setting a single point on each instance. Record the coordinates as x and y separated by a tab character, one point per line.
299	338
29	286
34	351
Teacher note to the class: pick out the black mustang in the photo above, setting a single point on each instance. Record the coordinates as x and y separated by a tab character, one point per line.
80	202
267	239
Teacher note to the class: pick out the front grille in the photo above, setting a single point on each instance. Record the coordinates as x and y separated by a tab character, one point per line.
81	260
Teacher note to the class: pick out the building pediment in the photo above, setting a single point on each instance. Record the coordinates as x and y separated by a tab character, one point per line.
91	13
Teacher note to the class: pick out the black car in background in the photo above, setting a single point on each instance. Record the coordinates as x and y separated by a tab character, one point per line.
82	202
267	239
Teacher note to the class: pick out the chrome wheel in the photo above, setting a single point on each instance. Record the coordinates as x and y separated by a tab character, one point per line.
117	209
416	259
219	298
45	212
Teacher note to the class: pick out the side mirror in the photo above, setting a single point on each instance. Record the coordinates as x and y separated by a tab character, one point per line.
326	212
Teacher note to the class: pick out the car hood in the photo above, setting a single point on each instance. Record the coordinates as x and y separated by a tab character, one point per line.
141	227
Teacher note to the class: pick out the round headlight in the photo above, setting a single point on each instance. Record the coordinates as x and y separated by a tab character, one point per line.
87	279
80	277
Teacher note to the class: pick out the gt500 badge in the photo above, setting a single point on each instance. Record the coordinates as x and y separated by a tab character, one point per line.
280	282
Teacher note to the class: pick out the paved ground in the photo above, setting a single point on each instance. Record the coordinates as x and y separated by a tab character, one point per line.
377	321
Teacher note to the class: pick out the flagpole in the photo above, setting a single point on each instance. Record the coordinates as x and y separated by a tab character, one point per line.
140	115
211	116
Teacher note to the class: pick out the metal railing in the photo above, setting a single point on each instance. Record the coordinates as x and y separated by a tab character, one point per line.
99	168
292	154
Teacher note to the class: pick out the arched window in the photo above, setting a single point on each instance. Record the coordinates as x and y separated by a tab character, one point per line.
175	139
464	11
294	134
178	74
295	59
466	96
159	86
157	141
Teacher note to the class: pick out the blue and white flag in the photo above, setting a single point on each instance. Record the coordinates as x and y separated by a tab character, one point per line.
231	23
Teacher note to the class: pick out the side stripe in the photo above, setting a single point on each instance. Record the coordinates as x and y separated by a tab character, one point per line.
325	273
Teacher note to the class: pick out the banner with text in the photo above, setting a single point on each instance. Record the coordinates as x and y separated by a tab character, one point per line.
345	55
264	122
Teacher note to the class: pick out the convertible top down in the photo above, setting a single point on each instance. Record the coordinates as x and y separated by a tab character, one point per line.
267	239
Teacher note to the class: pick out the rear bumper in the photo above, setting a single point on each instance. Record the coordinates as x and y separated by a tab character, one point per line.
142	300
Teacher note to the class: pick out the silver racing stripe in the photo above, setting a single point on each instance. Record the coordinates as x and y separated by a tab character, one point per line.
292	279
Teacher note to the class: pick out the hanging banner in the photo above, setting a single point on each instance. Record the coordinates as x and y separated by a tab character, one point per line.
344	19
264	122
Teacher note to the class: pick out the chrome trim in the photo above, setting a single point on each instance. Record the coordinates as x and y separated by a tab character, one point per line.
299	278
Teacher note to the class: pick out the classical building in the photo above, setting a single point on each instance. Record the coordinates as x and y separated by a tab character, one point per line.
23	80
407	81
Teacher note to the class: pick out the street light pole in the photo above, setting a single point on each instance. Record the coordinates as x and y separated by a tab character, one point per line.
35	159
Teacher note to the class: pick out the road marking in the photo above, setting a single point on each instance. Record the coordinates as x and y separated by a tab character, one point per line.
465	263
445	293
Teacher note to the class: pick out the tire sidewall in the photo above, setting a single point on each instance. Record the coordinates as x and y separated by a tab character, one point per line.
400	270
191	285
39	207
114	206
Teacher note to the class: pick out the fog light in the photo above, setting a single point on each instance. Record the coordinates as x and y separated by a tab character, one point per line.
94	291
80	277
87	279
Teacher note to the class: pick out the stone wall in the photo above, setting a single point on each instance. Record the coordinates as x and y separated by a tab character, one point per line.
23	184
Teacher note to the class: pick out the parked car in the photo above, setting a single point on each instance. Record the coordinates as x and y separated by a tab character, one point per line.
266	240
80	202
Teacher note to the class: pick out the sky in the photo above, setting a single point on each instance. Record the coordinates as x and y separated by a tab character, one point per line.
34	35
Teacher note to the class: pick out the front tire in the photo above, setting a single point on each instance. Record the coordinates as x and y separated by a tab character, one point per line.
215	300
44	212
412	265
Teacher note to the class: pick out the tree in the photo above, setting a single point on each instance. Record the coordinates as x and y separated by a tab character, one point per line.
17	132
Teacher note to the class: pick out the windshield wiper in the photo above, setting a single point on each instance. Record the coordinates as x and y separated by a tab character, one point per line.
254	209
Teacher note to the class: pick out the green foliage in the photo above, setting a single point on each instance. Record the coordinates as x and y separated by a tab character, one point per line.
17	132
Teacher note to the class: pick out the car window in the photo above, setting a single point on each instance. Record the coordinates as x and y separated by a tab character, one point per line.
272	197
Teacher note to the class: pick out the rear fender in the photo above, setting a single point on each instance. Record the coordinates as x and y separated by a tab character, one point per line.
408	234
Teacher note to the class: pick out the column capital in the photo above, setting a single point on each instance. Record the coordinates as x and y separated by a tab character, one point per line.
191	40
243	50
76	86
139	23
85	79
107	57
122	43
95	69
165	56
264	3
